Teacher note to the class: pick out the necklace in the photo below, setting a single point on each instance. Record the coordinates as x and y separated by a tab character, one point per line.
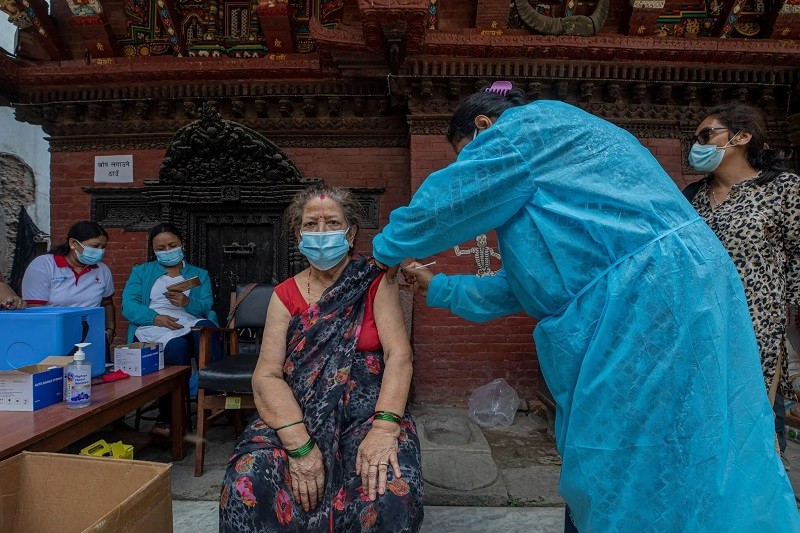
713	196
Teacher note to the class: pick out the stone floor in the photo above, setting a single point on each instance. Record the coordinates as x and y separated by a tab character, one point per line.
201	517
512	473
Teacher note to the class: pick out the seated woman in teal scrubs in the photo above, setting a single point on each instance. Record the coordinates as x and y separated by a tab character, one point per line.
158	313
644	336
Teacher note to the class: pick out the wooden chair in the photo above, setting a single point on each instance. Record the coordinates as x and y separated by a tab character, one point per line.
225	385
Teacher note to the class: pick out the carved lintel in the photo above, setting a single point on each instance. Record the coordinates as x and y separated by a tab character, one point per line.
213	150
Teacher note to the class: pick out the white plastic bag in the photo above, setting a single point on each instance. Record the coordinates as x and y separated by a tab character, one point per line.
493	404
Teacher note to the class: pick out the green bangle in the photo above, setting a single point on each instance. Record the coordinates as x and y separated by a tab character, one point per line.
389	413
387	418
303	450
289	425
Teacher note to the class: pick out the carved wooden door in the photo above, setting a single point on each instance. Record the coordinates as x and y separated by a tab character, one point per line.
236	249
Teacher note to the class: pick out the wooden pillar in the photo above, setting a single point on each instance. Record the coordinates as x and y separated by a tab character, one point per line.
492	14
274	17
641	17
784	21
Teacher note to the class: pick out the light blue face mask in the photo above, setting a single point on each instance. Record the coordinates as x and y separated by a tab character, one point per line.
707	157
324	249
90	256
170	257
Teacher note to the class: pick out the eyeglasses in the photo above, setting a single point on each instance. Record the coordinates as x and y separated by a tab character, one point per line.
705	135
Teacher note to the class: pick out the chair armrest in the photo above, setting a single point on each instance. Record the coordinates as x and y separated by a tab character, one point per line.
204	352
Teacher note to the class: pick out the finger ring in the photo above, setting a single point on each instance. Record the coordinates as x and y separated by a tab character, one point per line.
373	466
384	464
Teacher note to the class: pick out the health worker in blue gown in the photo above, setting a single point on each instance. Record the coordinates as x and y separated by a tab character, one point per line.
644	336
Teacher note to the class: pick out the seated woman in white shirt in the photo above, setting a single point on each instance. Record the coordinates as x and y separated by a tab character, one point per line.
157	313
73	275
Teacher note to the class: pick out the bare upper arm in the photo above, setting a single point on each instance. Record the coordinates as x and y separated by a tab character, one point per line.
389	319
273	342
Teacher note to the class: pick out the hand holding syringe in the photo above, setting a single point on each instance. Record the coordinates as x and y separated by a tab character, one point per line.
417	277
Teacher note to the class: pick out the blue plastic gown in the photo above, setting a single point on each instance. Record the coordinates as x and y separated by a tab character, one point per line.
644	337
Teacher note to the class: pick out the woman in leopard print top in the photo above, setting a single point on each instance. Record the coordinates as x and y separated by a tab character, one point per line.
753	206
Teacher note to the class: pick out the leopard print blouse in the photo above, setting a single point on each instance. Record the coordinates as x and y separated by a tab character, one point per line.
759	225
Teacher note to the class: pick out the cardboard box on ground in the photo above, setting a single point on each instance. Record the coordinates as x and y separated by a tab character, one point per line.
43	492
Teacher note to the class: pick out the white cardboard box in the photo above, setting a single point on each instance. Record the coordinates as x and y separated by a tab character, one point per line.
139	358
33	387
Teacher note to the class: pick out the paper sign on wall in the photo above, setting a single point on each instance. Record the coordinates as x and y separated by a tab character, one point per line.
113	169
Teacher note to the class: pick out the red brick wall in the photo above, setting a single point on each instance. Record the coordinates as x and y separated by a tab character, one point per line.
70	172
458	14
350	167
668	153
452	356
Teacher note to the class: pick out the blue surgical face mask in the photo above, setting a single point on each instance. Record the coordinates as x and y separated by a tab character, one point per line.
90	256
171	257
324	249
707	157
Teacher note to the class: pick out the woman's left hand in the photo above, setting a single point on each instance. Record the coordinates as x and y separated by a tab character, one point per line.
376	453
13	302
177	298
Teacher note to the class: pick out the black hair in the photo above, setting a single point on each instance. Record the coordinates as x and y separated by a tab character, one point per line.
80	231
739	117
164	228
483	102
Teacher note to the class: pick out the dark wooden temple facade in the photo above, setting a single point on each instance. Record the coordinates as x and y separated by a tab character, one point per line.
228	107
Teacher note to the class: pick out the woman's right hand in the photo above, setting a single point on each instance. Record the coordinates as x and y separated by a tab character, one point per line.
308	478
166	321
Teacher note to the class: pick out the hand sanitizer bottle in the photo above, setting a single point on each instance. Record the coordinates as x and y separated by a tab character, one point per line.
78	376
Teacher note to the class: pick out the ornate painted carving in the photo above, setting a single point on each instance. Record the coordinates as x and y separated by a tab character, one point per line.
81	8
216	151
568	25
395	28
32	16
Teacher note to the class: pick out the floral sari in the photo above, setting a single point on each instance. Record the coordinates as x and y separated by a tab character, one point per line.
337	387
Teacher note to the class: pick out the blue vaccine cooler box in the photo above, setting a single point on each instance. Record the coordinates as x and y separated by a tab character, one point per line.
30	335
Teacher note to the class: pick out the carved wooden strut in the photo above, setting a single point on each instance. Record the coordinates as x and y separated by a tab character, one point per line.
572	25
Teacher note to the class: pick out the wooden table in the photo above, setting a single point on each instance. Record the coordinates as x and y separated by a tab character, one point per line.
55	427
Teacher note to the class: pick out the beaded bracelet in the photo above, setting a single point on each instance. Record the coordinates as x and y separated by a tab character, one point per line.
303	450
289	425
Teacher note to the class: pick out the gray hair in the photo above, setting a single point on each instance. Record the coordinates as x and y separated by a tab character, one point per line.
350	206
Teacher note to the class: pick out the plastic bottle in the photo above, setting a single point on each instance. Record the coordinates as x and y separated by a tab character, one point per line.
78	376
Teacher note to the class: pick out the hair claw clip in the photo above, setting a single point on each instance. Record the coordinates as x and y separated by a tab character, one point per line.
500	87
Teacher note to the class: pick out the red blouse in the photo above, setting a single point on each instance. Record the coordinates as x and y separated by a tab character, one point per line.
368	341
